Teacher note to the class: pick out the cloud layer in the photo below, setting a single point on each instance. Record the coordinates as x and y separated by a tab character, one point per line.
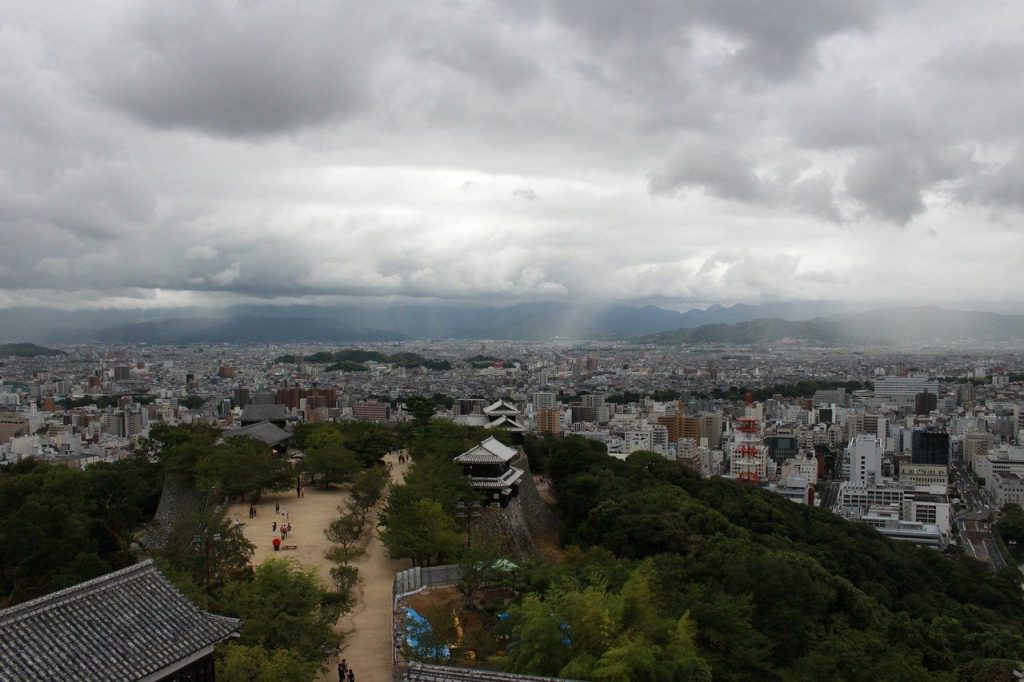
693	151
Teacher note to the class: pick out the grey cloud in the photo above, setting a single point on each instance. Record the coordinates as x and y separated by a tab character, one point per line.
779	37
525	193
1001	186
716	168
782	36
239	68
890	183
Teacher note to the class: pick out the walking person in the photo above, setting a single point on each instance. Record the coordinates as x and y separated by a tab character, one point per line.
342	670
351	676
273	527
277	507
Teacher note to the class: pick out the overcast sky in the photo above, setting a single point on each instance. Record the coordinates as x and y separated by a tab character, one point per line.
165	153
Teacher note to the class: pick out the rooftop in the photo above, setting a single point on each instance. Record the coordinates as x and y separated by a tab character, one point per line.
124	625
489	451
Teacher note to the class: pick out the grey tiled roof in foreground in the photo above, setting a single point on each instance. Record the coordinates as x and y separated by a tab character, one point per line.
125	625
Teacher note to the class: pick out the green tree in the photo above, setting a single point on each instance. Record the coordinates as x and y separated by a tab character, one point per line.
243	466
345	531
46	531
327	457
421	530
421	409
367	489
369	441
241	663
284	607
122	496
208	551
181	447
1011	525
478	567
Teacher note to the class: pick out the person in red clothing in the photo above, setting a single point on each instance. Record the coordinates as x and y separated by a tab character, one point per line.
277	544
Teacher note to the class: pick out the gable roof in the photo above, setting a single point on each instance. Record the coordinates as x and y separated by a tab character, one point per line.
488	452
507	423
121	626
271	434
501	406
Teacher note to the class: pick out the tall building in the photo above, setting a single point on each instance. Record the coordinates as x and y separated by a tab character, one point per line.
865	456
710	427
240	397
976	445
929	447
11	425
901	391
924	403
122	373
543	401
549	420
679	426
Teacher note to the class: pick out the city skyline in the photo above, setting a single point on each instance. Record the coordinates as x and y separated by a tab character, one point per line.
167	155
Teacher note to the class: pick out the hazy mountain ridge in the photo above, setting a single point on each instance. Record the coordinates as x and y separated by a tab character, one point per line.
906	325
256	323
741	324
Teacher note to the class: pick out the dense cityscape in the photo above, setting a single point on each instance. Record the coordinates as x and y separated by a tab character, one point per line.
873	435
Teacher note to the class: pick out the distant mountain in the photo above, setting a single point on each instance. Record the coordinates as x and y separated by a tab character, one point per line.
812	321
786	310
265	323
247	328
894	326
26	350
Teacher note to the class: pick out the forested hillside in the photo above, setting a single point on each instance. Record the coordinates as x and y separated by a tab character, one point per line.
762	589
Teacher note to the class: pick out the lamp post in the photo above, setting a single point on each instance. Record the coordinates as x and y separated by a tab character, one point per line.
468	512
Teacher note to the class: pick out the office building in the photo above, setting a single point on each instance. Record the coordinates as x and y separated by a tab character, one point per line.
865	457
929	447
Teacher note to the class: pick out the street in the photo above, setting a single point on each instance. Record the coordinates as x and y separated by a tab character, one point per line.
974	520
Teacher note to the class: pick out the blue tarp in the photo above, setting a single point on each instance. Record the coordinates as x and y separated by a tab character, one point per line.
416	628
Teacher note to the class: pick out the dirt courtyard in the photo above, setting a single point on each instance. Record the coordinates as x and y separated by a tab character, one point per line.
367	628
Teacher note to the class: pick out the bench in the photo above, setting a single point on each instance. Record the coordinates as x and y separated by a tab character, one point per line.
284	547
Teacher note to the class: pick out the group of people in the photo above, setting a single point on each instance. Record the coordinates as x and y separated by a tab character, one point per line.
252	511
345	673
284	527
401	458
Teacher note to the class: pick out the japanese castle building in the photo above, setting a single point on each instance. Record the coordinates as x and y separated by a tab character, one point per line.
488	468
504	415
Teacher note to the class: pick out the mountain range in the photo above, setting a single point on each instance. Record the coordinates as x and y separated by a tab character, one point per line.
915	326
816	322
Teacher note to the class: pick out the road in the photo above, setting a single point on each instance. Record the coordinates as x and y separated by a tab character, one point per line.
974	520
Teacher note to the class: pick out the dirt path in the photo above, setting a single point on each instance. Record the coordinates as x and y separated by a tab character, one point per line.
367	628
367	646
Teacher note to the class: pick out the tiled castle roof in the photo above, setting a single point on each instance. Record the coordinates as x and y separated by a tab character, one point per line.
121	626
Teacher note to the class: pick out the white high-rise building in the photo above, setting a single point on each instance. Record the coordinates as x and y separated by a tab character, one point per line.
865	456
900	391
